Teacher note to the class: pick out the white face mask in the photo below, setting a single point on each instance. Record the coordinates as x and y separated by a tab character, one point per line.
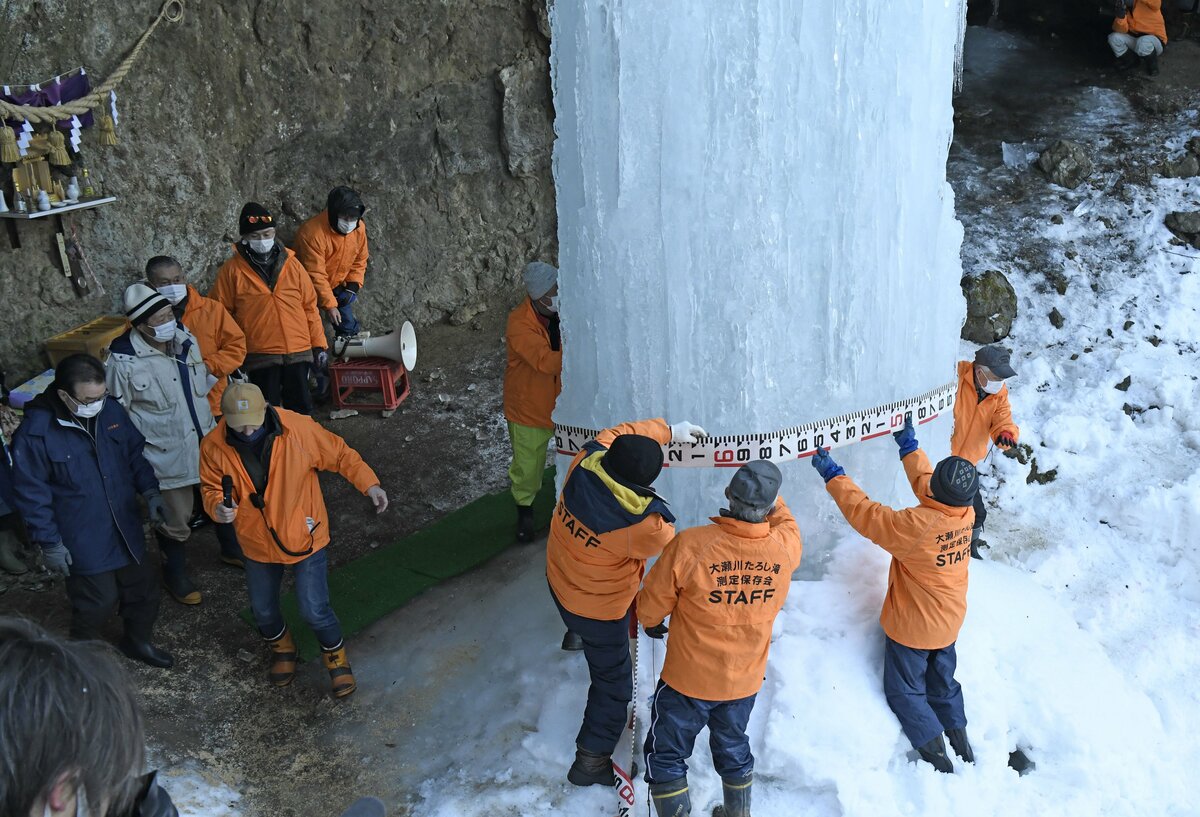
993	386
346	227
173	292
164	331
88	410
262	246
554	304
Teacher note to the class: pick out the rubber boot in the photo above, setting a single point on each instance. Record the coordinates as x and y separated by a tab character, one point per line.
671	798
590	768
339	670
231	551
1127	61
10	560
1152	65
737	797
146	652
934	753
524	523
977	543
572	642
175	571
283	659
960	744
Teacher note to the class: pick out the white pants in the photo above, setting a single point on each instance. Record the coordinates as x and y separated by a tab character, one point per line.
1143	46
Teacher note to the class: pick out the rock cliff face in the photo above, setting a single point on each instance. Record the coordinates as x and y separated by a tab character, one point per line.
438	111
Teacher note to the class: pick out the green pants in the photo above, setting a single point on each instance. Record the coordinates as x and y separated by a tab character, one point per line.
528	460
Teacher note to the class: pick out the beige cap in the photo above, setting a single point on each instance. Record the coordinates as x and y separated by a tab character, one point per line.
242	404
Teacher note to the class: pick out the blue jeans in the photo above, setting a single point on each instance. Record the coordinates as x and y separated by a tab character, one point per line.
606	648
312	593
349	325
676	720
921	690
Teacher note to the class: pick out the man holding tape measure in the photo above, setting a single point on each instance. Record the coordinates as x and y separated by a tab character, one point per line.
982	415
926	599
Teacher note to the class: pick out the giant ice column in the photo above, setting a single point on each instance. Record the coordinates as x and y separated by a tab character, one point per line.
755	227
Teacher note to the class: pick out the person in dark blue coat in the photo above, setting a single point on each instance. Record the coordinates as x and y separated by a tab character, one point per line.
77	471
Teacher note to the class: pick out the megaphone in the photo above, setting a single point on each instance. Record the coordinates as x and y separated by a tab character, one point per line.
400	345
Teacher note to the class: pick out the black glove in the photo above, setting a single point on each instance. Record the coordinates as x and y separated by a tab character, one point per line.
1005	440
658	630
555	336
153	801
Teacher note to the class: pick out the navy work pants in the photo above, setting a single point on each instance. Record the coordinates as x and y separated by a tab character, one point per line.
606	648
676	720
921	690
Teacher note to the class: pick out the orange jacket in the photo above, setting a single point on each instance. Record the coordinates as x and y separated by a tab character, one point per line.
299	448
977	423
722	585
602	533
532	380
1144	18
222	342
931	547
331	258
279	321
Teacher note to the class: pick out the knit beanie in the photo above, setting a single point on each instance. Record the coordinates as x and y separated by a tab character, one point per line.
254	217
540	278
955	482
633	460
140	302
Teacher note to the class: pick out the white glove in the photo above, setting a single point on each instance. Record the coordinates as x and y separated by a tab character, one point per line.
686	432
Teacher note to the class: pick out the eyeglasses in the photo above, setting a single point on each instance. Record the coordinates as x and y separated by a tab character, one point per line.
82	404
258	219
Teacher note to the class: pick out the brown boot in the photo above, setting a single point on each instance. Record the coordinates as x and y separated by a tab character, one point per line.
283	659
339	671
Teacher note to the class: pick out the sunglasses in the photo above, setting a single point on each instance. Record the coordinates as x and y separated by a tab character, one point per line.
258	219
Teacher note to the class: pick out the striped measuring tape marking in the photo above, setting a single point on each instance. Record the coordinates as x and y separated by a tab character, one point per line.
792	443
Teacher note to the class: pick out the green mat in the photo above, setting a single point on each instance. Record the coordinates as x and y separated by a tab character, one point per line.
374	585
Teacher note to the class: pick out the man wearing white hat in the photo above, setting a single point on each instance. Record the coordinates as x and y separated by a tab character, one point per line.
156	372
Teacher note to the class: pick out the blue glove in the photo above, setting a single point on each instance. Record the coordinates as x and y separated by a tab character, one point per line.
826	467
658	630
157	509
906	438
345	296
57	559
320	358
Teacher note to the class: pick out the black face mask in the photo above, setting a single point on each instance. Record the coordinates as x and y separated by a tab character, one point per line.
250	438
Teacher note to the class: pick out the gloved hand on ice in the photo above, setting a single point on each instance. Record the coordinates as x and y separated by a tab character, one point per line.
826	467
906	438
686	432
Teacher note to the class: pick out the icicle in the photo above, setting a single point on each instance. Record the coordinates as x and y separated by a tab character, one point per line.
958	48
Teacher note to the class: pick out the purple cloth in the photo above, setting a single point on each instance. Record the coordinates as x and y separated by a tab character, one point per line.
72	87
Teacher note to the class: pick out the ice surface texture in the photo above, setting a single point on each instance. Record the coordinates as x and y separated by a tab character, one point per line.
755	228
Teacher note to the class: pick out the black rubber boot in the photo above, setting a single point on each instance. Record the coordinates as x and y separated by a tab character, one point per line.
146	652
1152	65
1127	61
572	642
671	798
977	543
175	571
960	744
525	523
934	753
590	769
737	797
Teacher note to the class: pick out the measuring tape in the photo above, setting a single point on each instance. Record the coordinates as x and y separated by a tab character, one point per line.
790	443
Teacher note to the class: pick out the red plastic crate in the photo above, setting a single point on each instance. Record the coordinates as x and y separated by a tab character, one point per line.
387	378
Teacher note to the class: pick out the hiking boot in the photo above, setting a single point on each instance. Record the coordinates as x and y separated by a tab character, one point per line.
283	659
1126	61
671	798
339	671
590	768
572	642
174	567
1152	65
10	560
525	523
737	797
146	652
960	744
934	753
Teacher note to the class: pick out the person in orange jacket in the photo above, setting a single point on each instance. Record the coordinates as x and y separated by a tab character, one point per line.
1138	31
722	586
268	459
926	599
531	386
223	349
332	246
982	415
607	523
271	297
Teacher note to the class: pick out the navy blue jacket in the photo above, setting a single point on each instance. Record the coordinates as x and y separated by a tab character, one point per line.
82	491
6	490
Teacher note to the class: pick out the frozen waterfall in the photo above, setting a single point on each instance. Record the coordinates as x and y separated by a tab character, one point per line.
755	227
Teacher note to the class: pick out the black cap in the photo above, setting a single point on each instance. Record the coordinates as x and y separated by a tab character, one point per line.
756	484
955	482
996	358
254	217
345	202
633	460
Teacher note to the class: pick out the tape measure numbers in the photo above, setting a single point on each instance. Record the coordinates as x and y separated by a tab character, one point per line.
787	444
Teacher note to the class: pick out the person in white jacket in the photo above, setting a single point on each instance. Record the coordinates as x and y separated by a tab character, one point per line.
156	372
